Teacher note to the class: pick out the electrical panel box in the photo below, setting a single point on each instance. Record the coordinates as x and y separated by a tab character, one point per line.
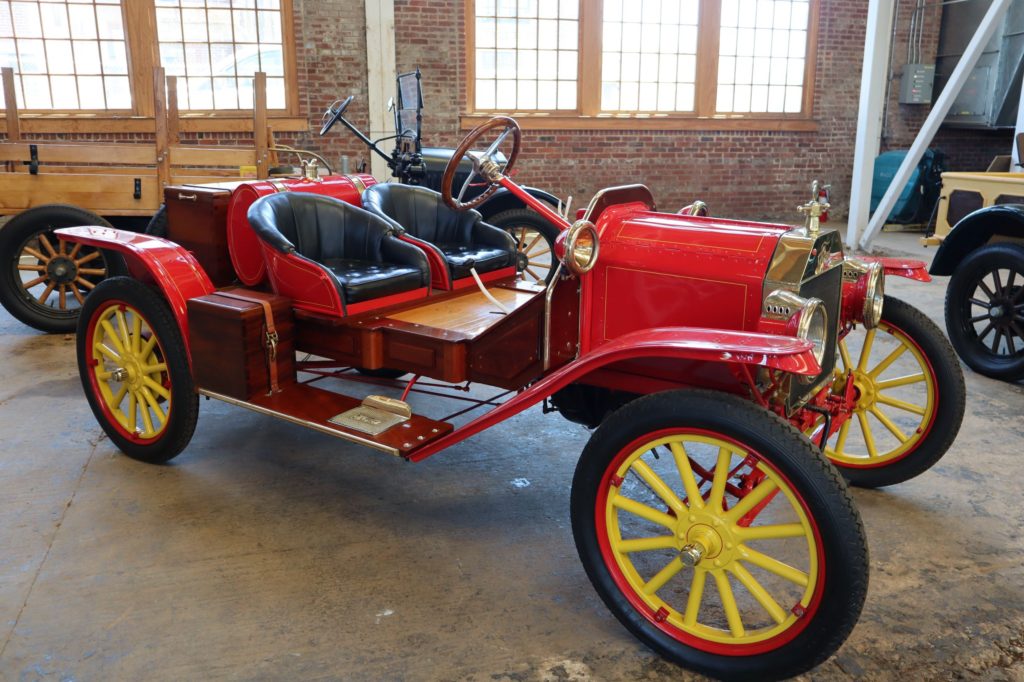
916	84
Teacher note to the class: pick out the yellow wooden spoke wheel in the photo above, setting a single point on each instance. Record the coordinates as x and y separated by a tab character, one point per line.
713	544
909	398
718	535
130	372
135	371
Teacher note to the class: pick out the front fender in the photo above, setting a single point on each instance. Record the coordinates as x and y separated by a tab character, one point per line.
153	260
785	353
974	230
901	267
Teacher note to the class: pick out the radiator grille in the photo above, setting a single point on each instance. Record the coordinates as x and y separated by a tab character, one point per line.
828	287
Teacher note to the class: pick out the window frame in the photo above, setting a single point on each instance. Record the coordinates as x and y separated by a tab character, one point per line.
143	52
588	114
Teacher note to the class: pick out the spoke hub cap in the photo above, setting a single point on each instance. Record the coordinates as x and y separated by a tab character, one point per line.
522	260
706	538
62	270
866	391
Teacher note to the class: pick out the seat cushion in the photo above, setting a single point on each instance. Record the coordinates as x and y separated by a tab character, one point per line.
365	280
484	258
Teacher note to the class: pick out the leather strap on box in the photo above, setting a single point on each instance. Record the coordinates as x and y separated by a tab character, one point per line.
270	338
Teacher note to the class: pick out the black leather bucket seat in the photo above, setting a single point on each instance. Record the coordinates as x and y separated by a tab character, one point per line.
462	237
356	248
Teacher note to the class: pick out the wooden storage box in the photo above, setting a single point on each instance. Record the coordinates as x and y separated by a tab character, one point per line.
197	219
228	342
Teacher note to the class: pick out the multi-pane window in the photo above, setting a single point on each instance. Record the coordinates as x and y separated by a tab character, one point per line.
527	54
92	55
67	54
762	55
216	46
706	58
649	55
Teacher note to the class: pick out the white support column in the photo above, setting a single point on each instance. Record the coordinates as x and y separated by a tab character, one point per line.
1015	158
931	125
877	41
380	75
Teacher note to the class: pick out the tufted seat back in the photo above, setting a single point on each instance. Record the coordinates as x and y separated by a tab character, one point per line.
357	248
463	237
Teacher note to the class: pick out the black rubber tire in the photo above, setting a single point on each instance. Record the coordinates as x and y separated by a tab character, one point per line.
14	237
184	412
524	217
962	286
826	497
382	373
949	410
157	226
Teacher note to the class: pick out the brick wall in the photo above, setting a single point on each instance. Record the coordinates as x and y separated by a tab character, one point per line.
757	175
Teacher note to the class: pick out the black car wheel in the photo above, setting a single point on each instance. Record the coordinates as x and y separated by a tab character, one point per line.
535	240
44	280
985	311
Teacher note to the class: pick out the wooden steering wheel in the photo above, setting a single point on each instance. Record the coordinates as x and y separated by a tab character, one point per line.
484	164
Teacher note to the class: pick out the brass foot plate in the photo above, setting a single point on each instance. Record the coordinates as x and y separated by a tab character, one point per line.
376	415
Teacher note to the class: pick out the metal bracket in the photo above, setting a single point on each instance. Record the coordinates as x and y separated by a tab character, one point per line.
33	162
137	194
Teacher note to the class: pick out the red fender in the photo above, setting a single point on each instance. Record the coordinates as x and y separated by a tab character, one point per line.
151	259
901	267
784	353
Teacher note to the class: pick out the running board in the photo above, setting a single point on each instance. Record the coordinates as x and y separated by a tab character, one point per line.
315	408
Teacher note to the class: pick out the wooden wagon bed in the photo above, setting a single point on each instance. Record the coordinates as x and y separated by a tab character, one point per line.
123	178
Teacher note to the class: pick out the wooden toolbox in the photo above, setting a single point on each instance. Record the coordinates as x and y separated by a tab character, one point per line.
197	218
231	353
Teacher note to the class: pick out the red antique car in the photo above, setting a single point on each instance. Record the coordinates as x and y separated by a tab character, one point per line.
710	355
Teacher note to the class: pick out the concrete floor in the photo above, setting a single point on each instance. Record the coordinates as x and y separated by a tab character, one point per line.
265	551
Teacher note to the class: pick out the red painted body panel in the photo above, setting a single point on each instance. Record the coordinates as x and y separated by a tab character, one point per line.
704	345
693	272
440	277
151	259
303	281
242	242
902	267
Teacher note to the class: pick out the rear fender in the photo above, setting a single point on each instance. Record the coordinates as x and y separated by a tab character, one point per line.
785	353
901	267
153	260
975	230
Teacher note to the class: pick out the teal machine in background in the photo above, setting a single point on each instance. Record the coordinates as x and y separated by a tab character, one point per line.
917	200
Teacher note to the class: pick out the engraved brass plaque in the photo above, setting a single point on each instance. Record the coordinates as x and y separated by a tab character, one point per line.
365	419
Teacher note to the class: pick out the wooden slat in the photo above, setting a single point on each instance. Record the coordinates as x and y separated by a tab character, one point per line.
173	122
590	58
471	314
290	62
259	123
134	171
469	30
234	122
143	56
811	62
707	57
163	154
48	152
101	193
645	123
11	105
196	179
212	156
